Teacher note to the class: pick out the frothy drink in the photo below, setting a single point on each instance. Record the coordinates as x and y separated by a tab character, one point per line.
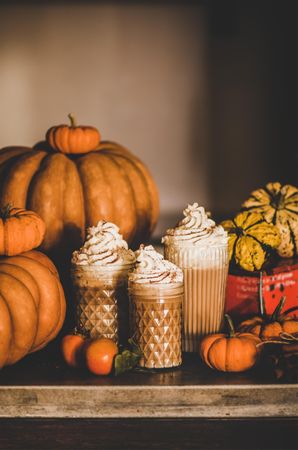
99	275
199	248
101	302
155	318
156	295
204	302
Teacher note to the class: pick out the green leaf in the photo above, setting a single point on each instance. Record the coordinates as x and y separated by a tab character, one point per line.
126	361
134	347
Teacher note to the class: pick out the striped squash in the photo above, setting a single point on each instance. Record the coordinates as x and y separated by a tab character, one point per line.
279	206
251	240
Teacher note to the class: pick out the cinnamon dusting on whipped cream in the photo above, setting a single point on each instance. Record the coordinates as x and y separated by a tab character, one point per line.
103	246
196	228
151	267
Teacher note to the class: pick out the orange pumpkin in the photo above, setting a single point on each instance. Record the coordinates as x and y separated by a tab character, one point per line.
32	305
20	230
72	348
73	138
233	352
269	327
71	193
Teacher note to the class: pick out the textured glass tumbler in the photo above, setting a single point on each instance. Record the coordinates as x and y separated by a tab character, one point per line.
101	301
155	323
205	274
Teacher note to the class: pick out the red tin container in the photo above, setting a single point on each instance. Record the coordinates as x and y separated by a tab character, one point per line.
242	290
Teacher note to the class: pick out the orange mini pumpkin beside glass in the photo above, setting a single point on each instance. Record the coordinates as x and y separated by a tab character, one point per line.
20	230
232	352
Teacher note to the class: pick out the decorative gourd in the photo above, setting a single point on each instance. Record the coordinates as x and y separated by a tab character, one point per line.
20	230
269	327
232	352
279	206
250	240
71	193
32	305
74	138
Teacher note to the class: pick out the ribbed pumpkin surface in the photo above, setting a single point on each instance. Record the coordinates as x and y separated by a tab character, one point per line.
32	305
73	192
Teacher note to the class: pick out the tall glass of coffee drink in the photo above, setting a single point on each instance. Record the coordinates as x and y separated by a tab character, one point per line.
200	248
156	295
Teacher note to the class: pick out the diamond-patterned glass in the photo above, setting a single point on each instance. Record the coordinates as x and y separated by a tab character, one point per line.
103	312
156	327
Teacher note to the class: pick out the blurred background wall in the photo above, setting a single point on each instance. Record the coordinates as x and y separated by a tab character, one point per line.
204	92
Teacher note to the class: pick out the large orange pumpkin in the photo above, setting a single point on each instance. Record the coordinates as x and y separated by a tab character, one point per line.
32	305
72	192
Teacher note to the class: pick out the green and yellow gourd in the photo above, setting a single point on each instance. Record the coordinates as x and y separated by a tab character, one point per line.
251	239
279	206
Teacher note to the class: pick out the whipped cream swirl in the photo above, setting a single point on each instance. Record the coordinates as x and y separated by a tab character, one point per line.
103	246
151	267
196	229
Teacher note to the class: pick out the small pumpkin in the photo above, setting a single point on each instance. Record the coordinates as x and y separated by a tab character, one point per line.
269	327
74	138
32	305
20	230
72	349
251	239
232	352
279	206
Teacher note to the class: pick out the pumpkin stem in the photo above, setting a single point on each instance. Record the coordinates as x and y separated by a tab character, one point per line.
288	311
276	313
73	122
5	211
80	331
261	298
230	325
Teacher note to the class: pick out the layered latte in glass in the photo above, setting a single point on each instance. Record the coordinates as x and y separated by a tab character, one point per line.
99	276
156	295
200	248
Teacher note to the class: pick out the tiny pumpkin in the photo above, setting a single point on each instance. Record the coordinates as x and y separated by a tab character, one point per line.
279	206
270	327
72	349
21	230
232	352
74	138
251	239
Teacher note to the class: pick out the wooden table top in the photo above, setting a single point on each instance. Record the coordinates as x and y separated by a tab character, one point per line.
41	385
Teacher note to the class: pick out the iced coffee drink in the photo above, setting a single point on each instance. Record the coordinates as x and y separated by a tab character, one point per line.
200	248
99	276
156	295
